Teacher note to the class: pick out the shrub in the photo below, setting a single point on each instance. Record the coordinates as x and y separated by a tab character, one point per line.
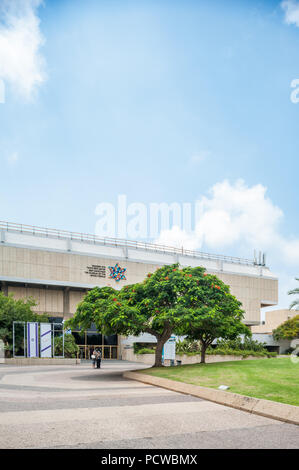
237	347
146	351
148	347
187	346
70	347
247	344
291	350
241	352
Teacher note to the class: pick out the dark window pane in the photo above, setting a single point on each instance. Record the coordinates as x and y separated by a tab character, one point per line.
110	340
94	338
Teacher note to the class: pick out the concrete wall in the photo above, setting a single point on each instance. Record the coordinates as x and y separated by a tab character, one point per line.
149	359
64	268
273	319
50	301
253	292
282	345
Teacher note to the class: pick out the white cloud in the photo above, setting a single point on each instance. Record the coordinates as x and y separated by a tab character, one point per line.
178	238
21	64
236	219
12	159
235	215
291	8
199	157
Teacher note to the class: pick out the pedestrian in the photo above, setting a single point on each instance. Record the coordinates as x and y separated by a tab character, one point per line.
94	358
99	359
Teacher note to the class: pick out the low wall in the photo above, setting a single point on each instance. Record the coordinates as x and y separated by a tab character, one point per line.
128	355
212	358
41	361
149	359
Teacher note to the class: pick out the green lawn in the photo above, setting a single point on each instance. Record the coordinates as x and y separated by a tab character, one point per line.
274	379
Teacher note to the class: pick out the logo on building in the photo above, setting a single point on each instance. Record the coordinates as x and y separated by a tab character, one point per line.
117	273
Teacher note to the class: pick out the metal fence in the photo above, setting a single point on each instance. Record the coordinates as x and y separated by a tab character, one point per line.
118	242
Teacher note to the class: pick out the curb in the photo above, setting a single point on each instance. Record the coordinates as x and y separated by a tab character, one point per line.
258	406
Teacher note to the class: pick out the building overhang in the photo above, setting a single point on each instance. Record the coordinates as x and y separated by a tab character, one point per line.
44	283
267	303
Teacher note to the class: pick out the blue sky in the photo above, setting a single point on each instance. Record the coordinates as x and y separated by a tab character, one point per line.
160	101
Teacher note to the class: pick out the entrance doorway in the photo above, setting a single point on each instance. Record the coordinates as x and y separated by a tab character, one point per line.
107	352
91	339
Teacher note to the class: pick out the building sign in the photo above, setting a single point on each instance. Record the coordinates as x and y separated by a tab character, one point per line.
32	339
45	340
169	349
96	270
117	273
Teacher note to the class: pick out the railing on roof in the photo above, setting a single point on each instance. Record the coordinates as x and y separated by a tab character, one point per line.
118	242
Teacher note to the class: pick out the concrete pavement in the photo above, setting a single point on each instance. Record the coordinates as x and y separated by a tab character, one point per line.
78	407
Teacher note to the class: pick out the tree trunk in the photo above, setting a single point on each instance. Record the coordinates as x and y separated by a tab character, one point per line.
158	353
203	353
161	340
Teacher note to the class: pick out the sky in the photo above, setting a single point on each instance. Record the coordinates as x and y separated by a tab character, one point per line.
173	101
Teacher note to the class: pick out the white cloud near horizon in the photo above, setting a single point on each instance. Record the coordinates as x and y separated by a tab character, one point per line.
291	9
21	64
236	215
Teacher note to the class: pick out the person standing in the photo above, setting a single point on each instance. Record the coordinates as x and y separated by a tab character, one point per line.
94	358
99	359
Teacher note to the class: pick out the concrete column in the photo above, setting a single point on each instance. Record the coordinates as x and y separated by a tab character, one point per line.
4	288
2	236
66	303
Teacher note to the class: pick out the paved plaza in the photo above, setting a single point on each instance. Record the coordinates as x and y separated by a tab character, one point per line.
79	407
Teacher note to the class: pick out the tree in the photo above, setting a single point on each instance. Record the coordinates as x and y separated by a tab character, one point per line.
213	313
295	303
168	301
15	310
287	330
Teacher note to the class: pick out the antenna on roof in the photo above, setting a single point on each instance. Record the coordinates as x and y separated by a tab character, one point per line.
264	259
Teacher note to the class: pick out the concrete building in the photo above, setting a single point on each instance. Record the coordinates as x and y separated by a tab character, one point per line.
58	267
263	332
273	319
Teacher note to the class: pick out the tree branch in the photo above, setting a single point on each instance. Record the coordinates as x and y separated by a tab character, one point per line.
152	332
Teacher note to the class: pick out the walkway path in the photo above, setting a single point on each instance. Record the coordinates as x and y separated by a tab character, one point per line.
78	407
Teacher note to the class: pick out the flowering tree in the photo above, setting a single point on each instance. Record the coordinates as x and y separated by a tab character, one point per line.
170	300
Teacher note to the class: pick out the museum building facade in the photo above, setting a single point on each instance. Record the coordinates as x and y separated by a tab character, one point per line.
58	267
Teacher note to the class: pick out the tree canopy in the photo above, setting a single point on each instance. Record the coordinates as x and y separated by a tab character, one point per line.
15	310
170	300
287	330
211	312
